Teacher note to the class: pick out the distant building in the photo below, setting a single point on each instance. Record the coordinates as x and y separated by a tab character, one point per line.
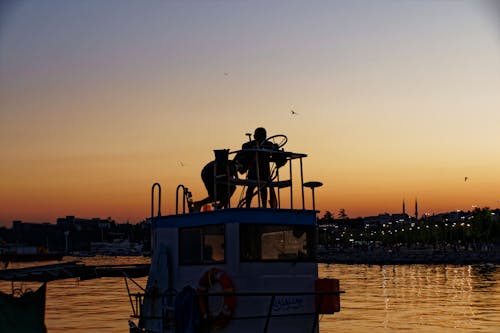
71	233
400	218
41	234
382	220
85	224
377	221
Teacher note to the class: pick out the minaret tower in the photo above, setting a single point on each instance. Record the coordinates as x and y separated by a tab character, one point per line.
404	208
416	209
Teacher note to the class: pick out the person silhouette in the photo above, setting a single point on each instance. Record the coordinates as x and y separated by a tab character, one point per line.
254	157
215	175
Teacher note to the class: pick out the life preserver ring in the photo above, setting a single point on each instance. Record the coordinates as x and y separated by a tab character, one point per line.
218	310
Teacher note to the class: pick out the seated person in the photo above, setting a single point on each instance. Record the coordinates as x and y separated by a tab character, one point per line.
220	192
257	165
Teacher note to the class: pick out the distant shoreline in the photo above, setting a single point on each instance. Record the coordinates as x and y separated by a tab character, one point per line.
410	256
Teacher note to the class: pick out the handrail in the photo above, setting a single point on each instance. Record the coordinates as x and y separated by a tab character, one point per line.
152	199
261	184
275	183
153	226
186	196
269	313
288	154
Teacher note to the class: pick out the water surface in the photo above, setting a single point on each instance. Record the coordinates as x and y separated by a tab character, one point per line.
409	298
416	298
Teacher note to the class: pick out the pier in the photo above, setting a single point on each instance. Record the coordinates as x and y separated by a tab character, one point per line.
73	269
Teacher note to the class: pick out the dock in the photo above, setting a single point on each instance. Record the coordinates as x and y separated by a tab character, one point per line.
71	270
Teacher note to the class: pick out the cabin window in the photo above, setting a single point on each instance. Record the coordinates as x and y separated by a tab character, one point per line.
201	245
262	242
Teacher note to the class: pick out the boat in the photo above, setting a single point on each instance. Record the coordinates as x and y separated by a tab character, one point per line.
119	247
25	253
23	310
237	268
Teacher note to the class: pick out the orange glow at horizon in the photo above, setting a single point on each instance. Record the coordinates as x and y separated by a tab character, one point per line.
394	101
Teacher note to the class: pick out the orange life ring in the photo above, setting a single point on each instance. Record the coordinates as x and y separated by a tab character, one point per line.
218	312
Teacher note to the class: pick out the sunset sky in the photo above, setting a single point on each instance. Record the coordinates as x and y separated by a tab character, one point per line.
99	99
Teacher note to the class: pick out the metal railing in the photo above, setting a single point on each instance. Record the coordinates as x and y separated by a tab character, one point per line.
168	308
186	198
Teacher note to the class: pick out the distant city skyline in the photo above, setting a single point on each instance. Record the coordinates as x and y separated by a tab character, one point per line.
322	214
391	100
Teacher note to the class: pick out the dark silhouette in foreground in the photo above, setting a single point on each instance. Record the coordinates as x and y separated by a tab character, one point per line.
216	176
255	158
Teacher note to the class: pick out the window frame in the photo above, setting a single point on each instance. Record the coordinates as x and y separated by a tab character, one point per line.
182	262
311	244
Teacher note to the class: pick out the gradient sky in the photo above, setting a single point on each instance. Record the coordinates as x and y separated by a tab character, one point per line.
100	98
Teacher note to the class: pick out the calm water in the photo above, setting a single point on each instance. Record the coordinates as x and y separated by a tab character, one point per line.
378	299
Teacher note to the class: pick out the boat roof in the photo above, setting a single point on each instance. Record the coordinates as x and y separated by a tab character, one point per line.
237	215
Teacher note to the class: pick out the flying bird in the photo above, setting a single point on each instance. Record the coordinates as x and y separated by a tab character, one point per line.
294	113
465	179
182	164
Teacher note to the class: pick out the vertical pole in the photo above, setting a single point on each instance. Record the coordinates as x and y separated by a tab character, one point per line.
302	184
227	200
278	178
184	190
291	186
215	180
314	200
258	175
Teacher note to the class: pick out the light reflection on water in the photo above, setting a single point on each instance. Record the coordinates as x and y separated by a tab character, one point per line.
410	298
416	298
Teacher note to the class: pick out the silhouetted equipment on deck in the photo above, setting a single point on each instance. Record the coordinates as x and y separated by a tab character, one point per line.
312	185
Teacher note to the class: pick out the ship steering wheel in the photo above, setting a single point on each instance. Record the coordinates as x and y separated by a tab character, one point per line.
278	139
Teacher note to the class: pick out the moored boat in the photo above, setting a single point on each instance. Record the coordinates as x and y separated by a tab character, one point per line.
237	269
24	253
